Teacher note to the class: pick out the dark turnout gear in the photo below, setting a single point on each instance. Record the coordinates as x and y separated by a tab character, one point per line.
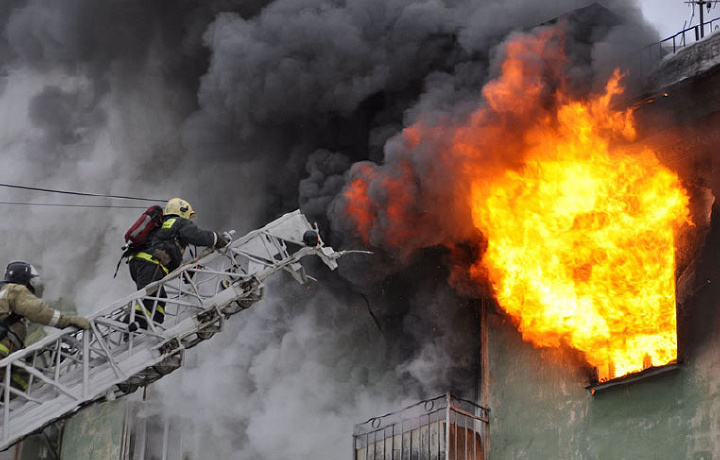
165	249
168	242
144	272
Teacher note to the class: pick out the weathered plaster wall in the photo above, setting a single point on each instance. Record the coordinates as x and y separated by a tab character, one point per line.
541	410
95	433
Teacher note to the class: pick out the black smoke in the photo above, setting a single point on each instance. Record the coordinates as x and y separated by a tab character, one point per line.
250	109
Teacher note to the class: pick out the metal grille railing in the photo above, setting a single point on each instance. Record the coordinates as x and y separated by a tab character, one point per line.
688	36
645	60
442	428
71	368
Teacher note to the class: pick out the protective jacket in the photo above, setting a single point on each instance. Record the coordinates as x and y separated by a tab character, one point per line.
175	234
17	306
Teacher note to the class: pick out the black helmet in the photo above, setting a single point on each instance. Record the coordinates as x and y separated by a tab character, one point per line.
311	238
20	272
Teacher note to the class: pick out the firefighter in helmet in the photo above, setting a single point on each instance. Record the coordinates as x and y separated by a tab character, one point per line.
20	301
165	250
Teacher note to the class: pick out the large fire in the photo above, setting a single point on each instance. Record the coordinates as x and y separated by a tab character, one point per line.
581	243
581	231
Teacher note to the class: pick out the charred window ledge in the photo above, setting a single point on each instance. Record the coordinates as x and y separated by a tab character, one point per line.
634	377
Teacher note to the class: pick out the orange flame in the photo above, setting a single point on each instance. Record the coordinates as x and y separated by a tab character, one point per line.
581	240
581	232
359	204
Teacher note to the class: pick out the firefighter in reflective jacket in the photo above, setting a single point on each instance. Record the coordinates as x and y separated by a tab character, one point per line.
20	302
165	250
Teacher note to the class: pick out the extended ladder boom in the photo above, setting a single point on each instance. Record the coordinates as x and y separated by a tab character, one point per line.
71	368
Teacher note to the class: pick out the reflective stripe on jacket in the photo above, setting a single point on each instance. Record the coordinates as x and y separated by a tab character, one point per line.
145	256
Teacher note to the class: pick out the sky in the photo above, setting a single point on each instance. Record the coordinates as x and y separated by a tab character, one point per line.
670	16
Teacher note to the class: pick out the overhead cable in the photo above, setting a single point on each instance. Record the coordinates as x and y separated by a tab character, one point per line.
69	192
72	205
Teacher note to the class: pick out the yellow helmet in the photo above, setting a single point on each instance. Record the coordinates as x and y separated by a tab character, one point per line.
179	207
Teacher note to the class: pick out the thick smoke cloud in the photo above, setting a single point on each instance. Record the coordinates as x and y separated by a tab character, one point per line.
274	384
249	110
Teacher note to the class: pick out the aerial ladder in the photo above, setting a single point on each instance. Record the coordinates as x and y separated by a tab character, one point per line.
70	369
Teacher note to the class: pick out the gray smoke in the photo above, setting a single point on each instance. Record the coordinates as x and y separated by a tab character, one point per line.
249	110
287	380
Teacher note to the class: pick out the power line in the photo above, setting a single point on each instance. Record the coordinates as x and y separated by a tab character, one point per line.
69	192
72	205
701	4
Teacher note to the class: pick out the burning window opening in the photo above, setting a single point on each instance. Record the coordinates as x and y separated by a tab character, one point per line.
441	428
606	376
686	286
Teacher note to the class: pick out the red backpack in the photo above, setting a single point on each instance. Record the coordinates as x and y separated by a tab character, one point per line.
138	233
149	220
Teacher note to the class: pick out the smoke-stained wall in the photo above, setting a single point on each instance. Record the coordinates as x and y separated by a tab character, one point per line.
249	110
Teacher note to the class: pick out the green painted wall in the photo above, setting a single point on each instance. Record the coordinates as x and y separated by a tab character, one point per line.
95	433
541	410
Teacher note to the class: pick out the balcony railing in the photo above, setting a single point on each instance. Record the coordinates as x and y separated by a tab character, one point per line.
442	428
689	36
644	60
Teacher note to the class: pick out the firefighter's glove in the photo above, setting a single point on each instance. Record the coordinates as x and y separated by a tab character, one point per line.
222	240
77	321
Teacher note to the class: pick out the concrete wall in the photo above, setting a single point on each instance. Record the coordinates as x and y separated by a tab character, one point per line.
35	447
96	432
541	410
